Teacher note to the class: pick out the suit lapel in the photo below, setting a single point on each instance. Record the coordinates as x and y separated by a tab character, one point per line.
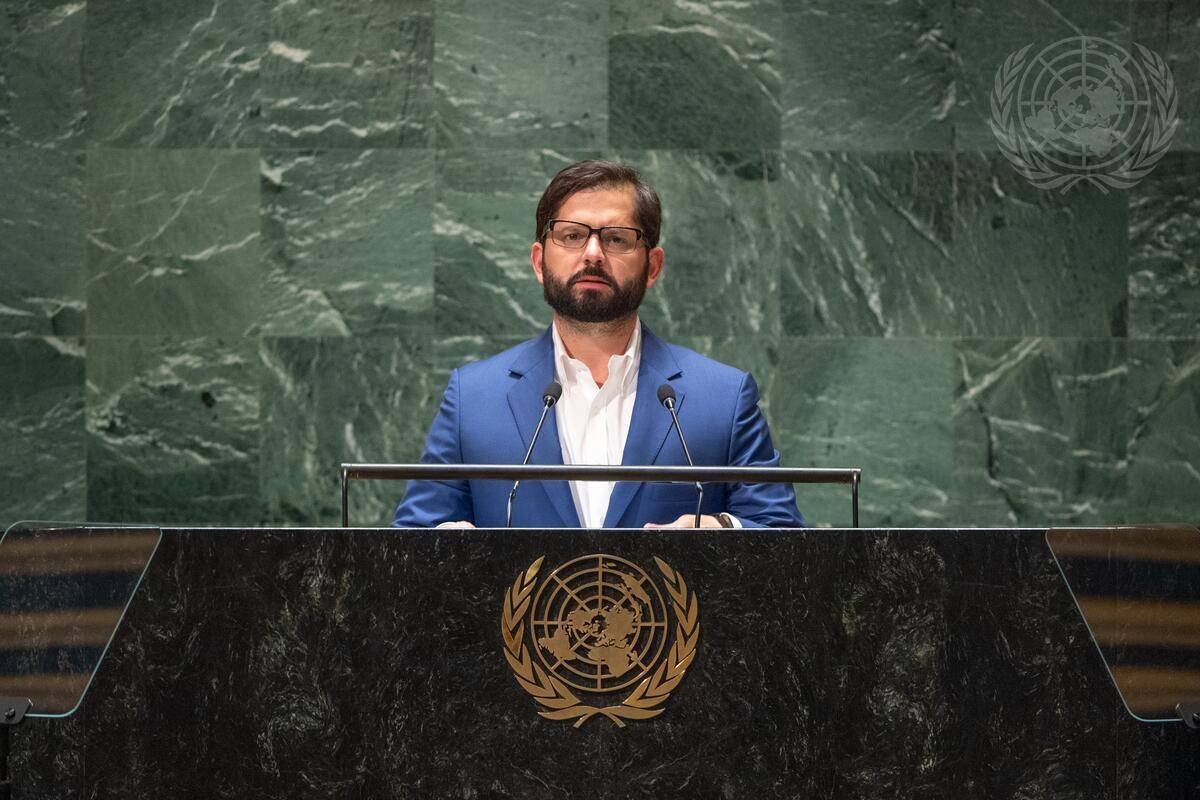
650	424
536	368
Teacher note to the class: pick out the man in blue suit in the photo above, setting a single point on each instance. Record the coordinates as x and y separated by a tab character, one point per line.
596	253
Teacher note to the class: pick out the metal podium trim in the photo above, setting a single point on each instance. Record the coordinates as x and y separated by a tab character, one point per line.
579	472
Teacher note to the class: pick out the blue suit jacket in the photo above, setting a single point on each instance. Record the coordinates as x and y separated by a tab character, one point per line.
491	408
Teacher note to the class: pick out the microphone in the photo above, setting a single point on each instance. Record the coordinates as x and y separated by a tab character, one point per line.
550	396
666	396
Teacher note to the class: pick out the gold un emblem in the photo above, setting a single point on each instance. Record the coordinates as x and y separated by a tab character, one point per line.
598	625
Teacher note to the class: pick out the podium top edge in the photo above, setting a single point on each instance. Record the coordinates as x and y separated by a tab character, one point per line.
724	474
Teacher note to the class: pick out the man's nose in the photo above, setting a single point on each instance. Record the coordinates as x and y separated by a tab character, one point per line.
592	251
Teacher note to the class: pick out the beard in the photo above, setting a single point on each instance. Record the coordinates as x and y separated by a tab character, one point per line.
595	305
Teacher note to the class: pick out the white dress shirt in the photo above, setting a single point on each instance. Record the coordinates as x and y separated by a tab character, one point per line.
593	421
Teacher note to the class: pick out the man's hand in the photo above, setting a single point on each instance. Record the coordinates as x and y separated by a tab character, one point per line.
461	523
687	521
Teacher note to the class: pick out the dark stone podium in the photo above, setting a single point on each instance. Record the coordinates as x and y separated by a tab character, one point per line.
830	664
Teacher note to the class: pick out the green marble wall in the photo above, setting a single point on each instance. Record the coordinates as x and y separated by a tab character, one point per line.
243	241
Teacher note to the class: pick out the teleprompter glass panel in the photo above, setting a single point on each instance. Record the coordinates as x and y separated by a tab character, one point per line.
1138	589
63	591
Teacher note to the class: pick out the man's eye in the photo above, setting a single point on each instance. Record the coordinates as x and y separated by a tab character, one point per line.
573	236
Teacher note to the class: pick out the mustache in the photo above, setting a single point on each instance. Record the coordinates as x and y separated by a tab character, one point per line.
592	274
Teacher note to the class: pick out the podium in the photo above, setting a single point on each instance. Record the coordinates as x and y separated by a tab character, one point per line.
825	663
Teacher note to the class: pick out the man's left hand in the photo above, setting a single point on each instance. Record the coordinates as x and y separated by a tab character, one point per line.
687	521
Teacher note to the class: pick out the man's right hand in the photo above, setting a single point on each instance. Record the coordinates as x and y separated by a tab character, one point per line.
462	523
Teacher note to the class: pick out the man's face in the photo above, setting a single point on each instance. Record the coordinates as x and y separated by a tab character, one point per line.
589	284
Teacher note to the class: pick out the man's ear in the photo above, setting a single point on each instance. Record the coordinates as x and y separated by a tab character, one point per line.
655	266
535	258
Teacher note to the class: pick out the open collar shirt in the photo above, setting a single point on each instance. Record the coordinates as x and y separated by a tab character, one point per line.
593	421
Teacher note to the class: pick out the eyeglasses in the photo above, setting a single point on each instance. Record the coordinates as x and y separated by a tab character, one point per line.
575	236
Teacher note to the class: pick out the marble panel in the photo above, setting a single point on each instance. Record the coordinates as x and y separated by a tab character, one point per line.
41	75
916	244
514	73
175	73
349	236
876	75
42	463
1042	431
1172	29
694	75
721	275
1164	257
1164	444
174	243
867	244
880	405
41	248
173	430
1077	432
1034	262
331	400
348	73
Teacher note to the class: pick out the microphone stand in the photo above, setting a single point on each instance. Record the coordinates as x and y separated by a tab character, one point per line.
549	398
668	400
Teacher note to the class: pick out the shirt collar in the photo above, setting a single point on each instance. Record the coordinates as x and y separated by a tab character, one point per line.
623	367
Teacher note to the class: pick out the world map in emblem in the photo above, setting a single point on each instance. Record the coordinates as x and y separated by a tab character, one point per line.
1086	98
599	623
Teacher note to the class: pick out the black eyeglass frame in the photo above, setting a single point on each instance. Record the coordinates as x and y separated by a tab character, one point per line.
639	235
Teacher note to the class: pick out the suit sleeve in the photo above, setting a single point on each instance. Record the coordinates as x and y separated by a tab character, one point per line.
762	504
428	503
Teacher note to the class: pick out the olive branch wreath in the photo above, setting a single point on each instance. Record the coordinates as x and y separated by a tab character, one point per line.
644	701
1037	170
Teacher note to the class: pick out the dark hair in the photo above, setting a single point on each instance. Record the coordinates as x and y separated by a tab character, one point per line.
582	175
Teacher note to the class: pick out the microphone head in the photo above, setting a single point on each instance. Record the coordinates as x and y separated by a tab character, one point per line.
551	393
666	394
